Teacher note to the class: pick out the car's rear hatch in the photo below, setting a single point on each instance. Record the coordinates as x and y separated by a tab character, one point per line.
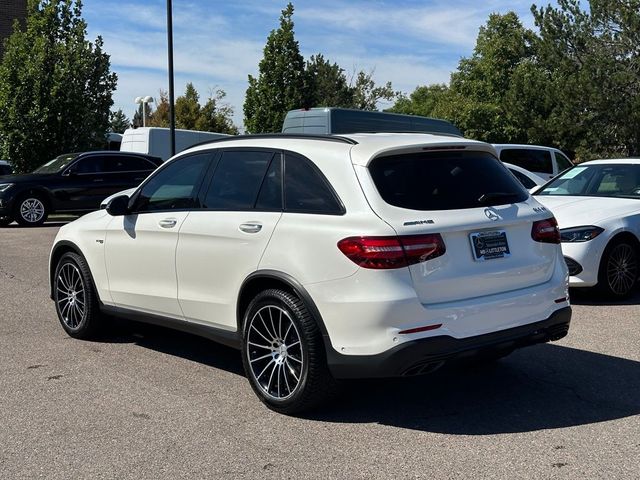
483	215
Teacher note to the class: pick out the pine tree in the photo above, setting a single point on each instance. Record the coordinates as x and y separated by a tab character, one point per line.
280	85
118	122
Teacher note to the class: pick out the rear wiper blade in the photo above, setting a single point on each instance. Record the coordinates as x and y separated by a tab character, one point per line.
491	196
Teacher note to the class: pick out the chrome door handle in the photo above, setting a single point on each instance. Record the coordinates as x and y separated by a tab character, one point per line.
168	223
251	227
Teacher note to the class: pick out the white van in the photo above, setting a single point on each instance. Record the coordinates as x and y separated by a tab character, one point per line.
156	141
546	162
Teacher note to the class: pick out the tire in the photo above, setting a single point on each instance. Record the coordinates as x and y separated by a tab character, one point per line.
283	354
618	272
75	297
31	210
5	221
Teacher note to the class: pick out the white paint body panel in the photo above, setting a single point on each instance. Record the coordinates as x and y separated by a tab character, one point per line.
213	259
140	256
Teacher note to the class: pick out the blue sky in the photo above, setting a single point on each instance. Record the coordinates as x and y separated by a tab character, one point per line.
217	44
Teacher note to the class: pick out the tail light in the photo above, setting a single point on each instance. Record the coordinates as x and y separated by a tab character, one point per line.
546	231
392	252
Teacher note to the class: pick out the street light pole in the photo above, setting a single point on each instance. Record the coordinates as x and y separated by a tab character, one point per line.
172	114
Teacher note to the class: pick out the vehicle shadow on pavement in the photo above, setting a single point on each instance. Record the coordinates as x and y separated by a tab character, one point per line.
587	296
173	342
541	387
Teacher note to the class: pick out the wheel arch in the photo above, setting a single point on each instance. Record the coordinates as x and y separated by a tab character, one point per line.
58	250
41	192
624	235
265	279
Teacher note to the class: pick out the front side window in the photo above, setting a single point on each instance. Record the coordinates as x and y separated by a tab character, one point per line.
57	164
237	179
174	187
601	180
306	190
529	159
445	181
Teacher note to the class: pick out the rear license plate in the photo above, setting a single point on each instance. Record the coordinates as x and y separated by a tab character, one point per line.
489	245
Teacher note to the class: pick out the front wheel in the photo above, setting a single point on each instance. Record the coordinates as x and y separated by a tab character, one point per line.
76	301
283	353
31	211
618	272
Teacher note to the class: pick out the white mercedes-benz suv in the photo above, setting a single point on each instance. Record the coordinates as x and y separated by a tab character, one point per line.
323	258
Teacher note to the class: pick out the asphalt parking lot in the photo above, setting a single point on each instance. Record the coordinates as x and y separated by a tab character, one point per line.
145	402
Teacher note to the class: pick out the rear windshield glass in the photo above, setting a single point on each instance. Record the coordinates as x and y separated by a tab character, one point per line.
445	181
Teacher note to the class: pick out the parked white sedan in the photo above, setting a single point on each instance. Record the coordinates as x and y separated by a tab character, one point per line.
597	205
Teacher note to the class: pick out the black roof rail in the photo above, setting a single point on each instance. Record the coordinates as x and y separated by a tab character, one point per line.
298	136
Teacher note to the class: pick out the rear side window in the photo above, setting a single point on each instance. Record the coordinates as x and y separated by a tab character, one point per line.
445	181
306	190
121	163
523	179
89	165
563	162
237	180
529	159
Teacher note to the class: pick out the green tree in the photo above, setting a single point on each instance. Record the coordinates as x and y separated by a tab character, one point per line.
327	84
481	82
216	115
594	71
118	122
188	108
55	86
426	101
280	85
366	94
160	116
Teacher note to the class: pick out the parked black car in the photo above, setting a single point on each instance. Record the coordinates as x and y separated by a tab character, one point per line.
70	183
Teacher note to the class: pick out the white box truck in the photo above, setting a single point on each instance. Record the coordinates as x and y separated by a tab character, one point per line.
155	141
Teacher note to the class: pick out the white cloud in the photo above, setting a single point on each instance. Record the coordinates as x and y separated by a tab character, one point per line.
217	45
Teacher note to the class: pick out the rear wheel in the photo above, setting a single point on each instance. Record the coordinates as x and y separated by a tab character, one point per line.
618	272
31	210
75	297
283	353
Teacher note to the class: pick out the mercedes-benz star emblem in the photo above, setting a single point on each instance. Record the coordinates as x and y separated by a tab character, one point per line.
491	215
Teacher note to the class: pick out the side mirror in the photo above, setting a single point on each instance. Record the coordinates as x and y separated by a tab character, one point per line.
71	171
118	206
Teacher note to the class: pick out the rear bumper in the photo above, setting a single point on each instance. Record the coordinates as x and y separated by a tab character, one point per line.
427	354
